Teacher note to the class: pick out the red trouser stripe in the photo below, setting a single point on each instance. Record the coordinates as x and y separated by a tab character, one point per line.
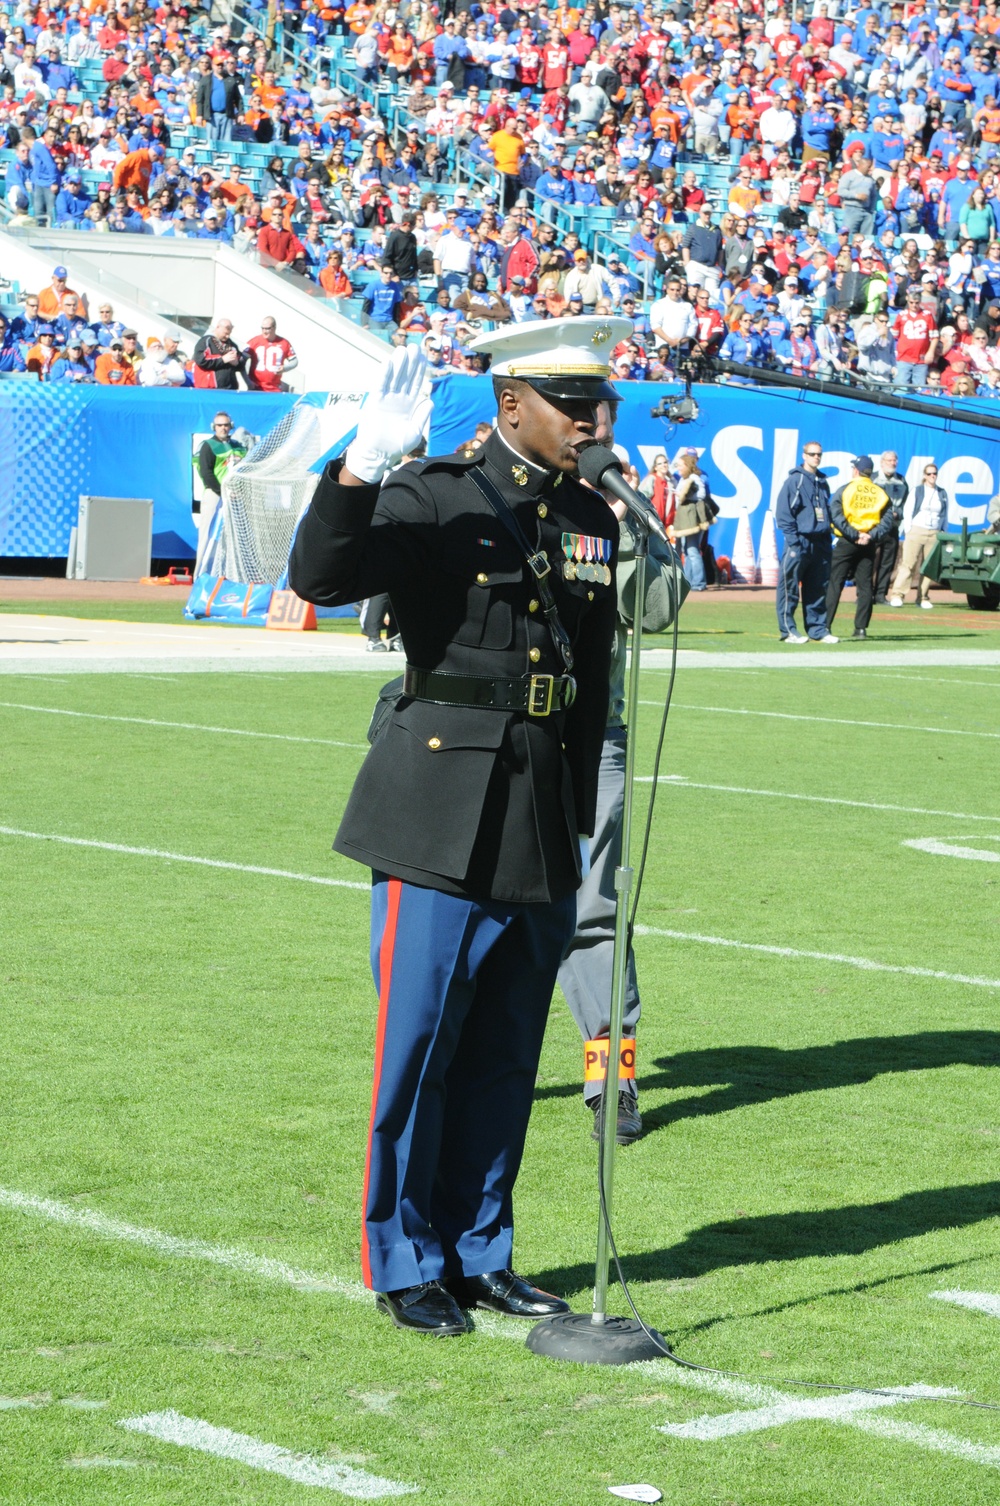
385	958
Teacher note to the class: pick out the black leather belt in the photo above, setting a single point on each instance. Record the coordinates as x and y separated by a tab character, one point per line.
536	695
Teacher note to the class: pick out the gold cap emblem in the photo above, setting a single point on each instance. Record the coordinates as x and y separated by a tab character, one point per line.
601	334
520	475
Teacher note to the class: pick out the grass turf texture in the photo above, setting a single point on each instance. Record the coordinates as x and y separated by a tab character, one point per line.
711	621
190	1049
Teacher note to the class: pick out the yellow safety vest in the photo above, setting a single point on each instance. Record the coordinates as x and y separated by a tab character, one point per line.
863	503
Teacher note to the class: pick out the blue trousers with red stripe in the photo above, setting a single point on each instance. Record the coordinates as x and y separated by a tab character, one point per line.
464	989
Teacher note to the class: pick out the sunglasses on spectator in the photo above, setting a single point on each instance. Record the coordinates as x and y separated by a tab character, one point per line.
222	426
930	470
813	453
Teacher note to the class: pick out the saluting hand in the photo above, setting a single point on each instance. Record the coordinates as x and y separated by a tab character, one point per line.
393	420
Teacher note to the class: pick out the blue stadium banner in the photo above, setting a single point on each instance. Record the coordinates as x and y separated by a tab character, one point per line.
57	444
60	443
748	440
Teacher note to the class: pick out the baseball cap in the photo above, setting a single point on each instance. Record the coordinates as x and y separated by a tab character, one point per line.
517	282
104	187
74	342
576	297
863	463
130	334
88	337
580	255
117	345
60	272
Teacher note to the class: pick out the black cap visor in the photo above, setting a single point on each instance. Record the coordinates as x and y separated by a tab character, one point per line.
574	388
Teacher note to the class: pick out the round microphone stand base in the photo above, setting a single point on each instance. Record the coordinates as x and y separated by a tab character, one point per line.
579	1338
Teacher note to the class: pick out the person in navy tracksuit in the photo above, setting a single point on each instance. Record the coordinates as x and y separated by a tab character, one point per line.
802	514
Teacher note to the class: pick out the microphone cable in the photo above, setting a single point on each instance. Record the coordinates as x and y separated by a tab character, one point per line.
655	1338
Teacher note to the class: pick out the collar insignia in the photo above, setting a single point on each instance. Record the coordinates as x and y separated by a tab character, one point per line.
520	474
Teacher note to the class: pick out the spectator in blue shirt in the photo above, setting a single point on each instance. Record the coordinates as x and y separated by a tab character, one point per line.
818	125
956	192
44	177
56	73
887	145
554	187
946	142
72	366
449	50
378	312
952	84
71	201
18	176
11	358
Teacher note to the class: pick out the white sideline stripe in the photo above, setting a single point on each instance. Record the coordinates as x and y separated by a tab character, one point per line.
180	857
244	1261
768	1402
191	1432
866	964
833	721
838	1409
865	805
149	721
931	1438
942	849
978	1302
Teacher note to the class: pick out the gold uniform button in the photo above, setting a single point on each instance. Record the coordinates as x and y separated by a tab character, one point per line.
543	511
534	654
482	579
532	605
590	595
433	743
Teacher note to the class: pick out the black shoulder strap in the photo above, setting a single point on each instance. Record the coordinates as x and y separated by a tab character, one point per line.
536	560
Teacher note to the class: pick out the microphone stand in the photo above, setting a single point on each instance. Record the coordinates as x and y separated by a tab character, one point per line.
596	1338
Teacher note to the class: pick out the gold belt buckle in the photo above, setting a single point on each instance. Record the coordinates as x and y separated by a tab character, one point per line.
540	690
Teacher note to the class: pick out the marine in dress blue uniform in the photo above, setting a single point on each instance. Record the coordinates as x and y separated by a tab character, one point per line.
470	806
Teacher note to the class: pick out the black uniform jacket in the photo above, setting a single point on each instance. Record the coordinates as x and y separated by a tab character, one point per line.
480	802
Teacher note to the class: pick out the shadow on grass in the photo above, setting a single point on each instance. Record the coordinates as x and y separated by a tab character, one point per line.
758	1074
939	1269
854	1230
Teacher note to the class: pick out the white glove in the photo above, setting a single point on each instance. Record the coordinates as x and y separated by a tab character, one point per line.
394	416
584	842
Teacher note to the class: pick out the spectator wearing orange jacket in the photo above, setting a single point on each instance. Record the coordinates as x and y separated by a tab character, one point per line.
42	353
50	299
113	369
135	170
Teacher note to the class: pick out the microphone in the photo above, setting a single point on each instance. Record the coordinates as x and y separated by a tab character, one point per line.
602	468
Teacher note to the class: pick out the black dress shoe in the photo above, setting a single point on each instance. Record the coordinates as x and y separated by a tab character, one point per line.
629	1126
859	633
506	1292
427	1309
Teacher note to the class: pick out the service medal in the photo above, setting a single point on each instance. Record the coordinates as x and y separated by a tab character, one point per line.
607	575
569	570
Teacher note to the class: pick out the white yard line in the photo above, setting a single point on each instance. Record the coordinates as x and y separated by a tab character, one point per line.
941	847
681	781
241	1448
832	721
180	857
788	1409
977	1302
935	1439
866	964
761	1406
90	1221
148	721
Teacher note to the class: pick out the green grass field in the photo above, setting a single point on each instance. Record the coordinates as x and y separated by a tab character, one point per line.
712	622
187	1050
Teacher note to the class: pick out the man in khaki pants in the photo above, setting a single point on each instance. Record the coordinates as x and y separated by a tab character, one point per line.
926	512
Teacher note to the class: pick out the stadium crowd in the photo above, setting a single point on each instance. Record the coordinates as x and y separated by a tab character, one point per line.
56	340
808	188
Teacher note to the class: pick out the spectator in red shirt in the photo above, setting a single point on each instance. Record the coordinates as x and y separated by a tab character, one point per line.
916	337
268	356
